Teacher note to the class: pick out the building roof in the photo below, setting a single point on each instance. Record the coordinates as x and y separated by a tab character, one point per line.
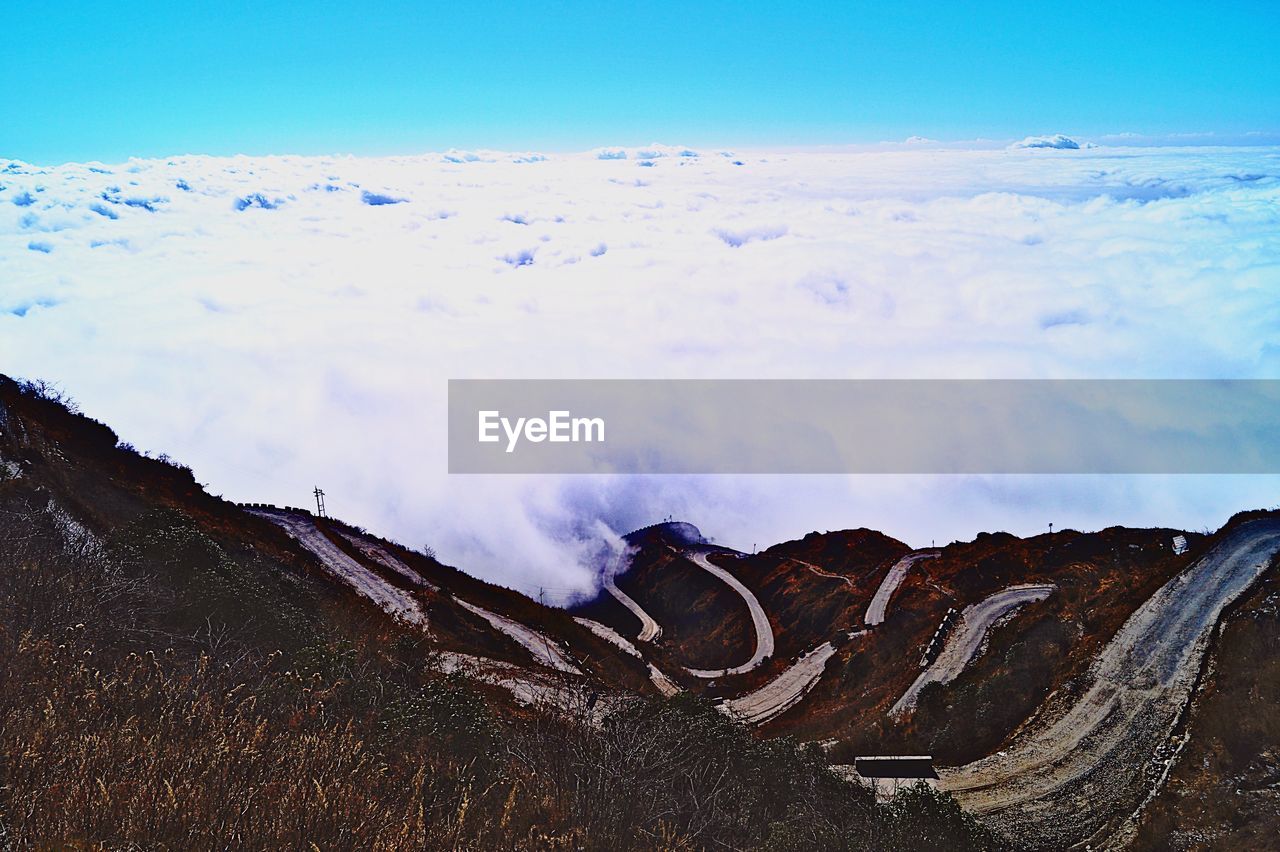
895	766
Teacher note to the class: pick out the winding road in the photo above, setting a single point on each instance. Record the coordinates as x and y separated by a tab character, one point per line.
764	631
377	553
966	639
650	630
1090	764
539	646
783	692
1076	775
610	635
880	602
535	688
394	601
664	684
814	569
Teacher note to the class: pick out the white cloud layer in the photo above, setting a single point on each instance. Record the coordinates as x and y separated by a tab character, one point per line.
281	322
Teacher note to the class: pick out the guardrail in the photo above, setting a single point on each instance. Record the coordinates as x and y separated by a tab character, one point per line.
934	646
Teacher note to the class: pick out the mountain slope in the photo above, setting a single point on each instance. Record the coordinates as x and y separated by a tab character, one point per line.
80	471
141	616
182	672
1008	632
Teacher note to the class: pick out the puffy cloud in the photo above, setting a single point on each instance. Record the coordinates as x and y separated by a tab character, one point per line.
647	153
256	199
741	236
261	320
1056	141
377	199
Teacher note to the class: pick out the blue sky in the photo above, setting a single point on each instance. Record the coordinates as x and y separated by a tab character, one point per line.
105	81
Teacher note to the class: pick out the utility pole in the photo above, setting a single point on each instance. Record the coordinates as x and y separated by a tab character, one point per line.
546	643
320	502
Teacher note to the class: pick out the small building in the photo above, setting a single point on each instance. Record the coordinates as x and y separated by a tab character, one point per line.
1179	544
886	774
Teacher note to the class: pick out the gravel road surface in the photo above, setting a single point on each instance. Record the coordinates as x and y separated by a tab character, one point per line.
764	631
1075	777
967	638
541	647
395	601
880	602
783	692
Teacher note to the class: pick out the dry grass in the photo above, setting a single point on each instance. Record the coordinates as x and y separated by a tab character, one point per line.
165	683
103	747
153	751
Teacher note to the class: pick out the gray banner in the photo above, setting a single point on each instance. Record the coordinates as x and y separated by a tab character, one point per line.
864	426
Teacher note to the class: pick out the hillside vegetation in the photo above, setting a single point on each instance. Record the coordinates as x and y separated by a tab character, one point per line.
180	675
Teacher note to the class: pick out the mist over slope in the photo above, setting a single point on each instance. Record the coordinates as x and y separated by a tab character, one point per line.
280	322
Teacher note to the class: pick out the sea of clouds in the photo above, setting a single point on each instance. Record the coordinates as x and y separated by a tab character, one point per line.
285	322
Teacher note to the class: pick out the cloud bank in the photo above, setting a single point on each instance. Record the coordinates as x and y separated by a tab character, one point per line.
282	322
